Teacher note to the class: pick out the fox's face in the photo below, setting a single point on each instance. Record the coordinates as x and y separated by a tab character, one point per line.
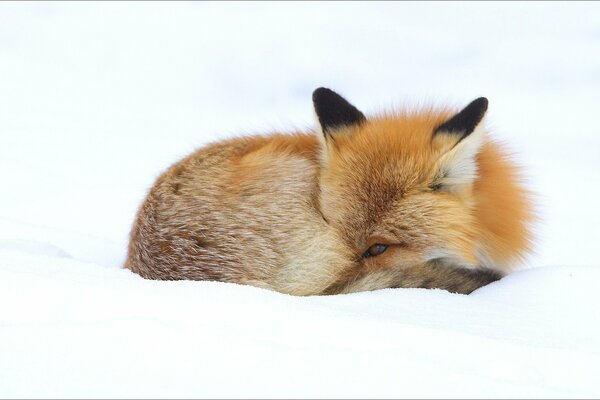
401	188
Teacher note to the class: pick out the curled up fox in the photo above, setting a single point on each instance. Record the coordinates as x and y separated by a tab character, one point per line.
401	199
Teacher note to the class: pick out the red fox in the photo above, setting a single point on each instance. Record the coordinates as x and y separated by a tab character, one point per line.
404	199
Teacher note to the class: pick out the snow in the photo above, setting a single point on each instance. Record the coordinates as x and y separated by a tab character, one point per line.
96	99
84	330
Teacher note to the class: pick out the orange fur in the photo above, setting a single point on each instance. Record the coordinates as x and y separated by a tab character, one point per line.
295	213
502	208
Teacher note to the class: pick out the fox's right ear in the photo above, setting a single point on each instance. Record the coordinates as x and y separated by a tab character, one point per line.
459	140
333	111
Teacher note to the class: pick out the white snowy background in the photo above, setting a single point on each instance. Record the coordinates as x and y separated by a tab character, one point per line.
96	99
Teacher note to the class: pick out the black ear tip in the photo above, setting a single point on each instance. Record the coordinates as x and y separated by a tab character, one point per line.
333	110
481	103
466	120
321	93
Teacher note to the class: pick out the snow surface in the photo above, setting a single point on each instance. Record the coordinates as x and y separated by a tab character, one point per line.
96	99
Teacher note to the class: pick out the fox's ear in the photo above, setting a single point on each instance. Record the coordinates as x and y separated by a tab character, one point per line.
465	122
333	111
459	140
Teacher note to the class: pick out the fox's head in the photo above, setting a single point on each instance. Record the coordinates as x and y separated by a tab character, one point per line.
410	187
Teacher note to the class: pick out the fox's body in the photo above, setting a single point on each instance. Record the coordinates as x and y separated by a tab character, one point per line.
392	201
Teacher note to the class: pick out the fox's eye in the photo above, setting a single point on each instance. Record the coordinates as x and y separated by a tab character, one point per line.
375	250
435	186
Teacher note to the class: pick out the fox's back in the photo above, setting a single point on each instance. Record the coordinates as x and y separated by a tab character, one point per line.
243	210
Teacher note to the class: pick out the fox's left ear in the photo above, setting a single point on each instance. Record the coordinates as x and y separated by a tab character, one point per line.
459	140
333	111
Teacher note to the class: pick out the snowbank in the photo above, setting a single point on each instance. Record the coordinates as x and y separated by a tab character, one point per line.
75	329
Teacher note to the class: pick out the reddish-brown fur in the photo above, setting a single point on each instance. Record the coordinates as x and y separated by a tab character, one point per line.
296	212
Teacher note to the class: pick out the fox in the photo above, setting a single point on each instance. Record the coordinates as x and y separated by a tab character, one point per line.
411	198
